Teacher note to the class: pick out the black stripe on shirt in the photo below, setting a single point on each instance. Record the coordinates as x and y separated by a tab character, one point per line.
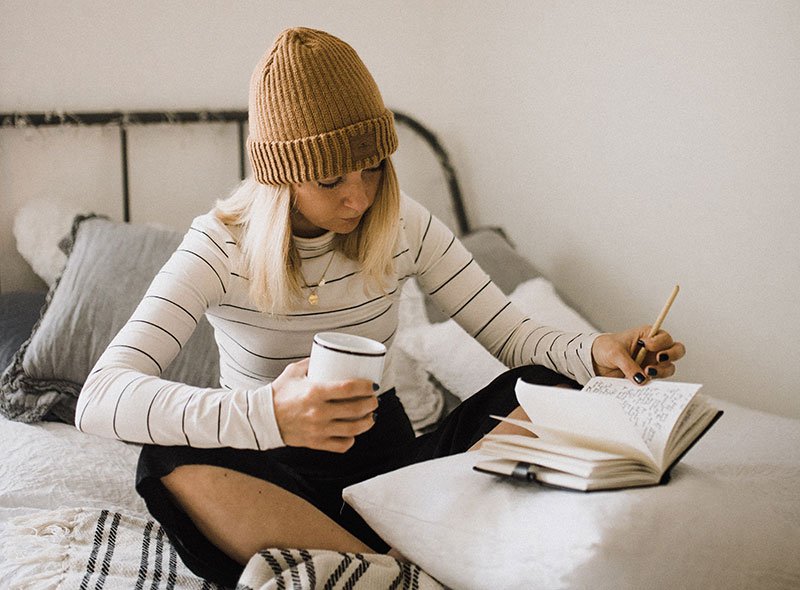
119	398
460	270
524	342
178	342
566	364
442	255
247	414
581	360
219	421
424	235
368	320
510	336
183	419
489	282
269	358
149	409
307	314
244	372
219	278
103	368
160	370
343	277
502	309
239	307
545	335
340	309
385	340
554	340
173	303
225	254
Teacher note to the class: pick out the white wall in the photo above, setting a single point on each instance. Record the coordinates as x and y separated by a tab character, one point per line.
624	146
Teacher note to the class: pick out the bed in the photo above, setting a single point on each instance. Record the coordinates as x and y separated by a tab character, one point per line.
70	518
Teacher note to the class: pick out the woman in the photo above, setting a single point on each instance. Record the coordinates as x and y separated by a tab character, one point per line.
319	239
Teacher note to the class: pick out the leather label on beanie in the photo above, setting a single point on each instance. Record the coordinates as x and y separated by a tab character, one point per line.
363	145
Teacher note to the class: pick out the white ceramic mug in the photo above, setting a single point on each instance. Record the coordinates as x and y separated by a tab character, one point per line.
336	356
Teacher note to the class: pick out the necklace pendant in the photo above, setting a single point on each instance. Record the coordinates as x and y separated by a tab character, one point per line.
313	298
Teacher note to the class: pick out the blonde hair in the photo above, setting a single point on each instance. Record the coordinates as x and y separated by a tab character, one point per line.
271	260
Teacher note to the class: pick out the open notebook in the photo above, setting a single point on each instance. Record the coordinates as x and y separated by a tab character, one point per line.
612	434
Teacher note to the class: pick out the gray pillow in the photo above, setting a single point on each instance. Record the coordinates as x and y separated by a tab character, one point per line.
498	258
108	270
18	315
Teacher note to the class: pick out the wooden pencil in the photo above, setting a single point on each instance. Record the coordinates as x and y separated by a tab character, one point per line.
657	324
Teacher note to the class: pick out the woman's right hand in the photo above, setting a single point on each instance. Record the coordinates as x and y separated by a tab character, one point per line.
322	416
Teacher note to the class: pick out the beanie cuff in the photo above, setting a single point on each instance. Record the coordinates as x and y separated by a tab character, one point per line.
327	155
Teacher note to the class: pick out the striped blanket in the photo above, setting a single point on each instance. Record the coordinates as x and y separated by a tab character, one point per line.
106	550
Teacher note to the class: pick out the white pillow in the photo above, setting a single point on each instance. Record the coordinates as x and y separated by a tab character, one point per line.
39	226
422	400
727	519
435	346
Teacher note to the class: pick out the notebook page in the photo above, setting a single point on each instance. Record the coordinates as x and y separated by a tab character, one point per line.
652	409
581	418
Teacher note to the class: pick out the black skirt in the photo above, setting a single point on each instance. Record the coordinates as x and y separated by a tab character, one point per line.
320	476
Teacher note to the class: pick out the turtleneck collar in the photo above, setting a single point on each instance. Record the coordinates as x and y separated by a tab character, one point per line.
314	246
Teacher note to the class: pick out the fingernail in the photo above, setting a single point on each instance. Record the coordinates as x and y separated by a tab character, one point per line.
640	343
652	371
374	416
639	378
663	357
375	387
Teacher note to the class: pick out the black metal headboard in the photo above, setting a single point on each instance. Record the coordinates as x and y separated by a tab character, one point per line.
124	119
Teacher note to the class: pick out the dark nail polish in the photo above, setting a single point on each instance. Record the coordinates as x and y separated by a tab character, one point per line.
640	343
639	378
663	357
374	416
375	387
652	371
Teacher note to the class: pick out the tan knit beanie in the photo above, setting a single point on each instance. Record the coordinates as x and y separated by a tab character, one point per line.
315	111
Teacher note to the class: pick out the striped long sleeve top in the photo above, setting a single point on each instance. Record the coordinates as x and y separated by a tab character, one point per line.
125	397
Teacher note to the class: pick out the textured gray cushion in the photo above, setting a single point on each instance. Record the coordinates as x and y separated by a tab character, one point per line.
108	271
498	258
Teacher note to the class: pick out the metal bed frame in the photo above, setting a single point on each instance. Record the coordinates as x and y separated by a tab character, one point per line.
125	119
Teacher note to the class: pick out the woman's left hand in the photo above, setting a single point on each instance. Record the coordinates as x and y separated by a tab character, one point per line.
613	354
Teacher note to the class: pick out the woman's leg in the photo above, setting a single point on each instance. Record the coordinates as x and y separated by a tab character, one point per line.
505	428
471	420
242	514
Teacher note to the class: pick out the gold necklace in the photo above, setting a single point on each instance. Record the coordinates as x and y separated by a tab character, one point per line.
313	298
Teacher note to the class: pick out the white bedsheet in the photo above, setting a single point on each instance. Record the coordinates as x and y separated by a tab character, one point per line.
732	508
731	512
51	465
